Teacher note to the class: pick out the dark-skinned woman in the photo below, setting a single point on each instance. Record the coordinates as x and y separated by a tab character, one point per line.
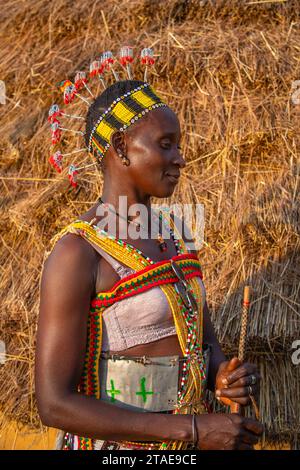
125	344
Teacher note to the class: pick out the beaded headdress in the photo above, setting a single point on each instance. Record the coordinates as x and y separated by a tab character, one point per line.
123	111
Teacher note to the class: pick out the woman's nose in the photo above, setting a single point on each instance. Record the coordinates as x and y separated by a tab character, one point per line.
183	162
179	160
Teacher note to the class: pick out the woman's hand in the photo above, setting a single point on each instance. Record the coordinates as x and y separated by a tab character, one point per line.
227	432
236	381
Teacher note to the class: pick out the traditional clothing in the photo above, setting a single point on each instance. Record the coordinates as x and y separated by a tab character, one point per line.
188	325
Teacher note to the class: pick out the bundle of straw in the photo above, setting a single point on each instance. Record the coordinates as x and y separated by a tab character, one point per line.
227	69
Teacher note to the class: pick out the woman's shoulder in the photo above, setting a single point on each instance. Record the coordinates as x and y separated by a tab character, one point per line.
68	248
68	236
70	268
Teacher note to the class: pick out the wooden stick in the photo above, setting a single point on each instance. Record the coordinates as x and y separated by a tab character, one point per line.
236	407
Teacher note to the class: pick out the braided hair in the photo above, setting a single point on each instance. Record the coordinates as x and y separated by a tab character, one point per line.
103	101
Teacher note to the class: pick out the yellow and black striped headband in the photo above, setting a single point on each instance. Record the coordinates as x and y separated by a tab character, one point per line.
123	112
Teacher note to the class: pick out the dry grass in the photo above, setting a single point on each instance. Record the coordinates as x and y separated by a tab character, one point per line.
227	69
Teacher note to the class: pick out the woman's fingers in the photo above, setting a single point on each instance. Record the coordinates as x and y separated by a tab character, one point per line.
250	433
252	425
239	395
237	392
249	437
233	364
245	381
242	371
241	401
238	384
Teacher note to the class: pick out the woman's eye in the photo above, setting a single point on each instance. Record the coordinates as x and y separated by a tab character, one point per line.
165	145
168	145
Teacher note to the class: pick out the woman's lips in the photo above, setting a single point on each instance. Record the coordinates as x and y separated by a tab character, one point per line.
173	178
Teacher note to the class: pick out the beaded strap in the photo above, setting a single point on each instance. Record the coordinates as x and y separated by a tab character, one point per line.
156	275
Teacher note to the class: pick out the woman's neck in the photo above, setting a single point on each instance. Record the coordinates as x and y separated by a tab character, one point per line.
119	196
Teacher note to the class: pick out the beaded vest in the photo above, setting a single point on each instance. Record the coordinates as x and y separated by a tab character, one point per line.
189	326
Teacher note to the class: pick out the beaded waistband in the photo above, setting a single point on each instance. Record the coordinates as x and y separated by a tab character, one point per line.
157	360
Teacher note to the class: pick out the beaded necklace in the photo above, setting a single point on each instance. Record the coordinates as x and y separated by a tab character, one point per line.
178	242
161	242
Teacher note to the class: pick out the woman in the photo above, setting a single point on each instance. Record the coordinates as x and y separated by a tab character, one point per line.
79	396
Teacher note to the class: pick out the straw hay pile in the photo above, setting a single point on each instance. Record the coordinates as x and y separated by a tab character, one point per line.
227	69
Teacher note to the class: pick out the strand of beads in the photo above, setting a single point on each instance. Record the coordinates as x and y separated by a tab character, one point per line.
126	245
92	233
68	442
140	445
177	242
177	246
192	351
133	249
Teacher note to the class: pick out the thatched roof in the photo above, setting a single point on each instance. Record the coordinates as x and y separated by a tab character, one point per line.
227	69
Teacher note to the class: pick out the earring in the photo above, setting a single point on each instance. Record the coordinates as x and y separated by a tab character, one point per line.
125	159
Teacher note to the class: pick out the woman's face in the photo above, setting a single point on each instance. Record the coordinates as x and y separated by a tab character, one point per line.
152	146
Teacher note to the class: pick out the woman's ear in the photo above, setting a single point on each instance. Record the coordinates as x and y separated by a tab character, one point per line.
118	142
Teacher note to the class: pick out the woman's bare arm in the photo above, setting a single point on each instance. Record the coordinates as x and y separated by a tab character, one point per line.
67	286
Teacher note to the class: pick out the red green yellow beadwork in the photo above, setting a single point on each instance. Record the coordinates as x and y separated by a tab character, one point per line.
189	327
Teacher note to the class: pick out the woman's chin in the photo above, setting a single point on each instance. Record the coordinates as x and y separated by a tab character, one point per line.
165	188
165	191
